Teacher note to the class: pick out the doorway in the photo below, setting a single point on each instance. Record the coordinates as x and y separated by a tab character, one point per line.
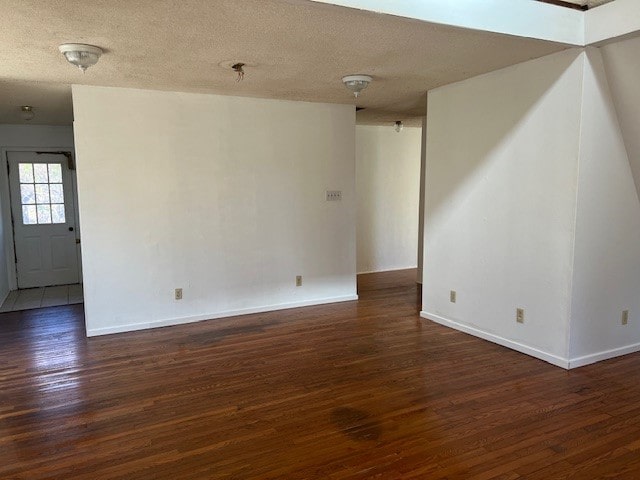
44	220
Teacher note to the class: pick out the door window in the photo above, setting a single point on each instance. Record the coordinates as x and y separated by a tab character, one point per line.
41	193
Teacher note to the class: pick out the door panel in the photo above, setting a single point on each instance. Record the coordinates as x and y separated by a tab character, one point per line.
59	252
43	219
33	257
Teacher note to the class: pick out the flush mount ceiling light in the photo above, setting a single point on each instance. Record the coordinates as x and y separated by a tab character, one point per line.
27	113
356	83
81	55
399	126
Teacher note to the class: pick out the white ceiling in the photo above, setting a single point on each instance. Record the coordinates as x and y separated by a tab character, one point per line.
299	49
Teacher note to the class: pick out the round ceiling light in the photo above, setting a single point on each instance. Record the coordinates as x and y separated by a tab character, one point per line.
81	55
356	83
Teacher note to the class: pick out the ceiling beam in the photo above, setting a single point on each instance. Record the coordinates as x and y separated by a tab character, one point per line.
521	18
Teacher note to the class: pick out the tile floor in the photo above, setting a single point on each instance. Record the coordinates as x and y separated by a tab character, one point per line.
29	298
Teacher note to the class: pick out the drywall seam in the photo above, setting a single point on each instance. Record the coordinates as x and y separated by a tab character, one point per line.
505	342
229	313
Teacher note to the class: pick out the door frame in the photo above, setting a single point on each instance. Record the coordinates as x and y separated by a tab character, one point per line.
7	219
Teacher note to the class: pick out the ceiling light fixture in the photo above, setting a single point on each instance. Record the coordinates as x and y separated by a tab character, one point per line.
399	126
81	55
27	113
356	83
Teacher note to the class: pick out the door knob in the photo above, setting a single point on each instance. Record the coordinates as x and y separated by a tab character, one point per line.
71	229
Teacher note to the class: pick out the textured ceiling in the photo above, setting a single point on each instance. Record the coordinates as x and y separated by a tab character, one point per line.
299	49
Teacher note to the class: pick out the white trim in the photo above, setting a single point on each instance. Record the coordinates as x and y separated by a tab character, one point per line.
399	269
519	347
520	18
611	22
211	316
604	355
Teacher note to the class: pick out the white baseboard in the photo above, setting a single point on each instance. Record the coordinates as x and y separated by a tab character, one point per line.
398	269
519	347
605	355
94	332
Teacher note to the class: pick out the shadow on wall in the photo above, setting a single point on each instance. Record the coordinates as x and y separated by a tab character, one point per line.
500	134
622	69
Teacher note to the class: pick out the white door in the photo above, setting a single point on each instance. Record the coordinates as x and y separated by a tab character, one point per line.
43	219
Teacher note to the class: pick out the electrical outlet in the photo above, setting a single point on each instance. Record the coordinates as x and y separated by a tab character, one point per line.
453	296
333	195
625	317
178	294
520	315
298	280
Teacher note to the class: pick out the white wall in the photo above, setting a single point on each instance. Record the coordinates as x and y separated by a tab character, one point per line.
501	175
606	278
20	137
388	190
622	67
221	196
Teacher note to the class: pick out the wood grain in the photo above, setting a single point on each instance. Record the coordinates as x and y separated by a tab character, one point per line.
357	390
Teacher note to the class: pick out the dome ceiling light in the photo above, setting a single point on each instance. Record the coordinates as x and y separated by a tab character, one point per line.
356	83
81	55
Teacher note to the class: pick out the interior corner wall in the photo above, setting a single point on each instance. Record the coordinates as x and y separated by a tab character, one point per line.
20	137
388	191
501	179
606	274
221	196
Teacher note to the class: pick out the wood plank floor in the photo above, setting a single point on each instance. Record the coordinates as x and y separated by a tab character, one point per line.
358	390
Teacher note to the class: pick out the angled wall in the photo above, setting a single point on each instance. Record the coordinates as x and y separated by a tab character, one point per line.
501	175
606	272
534	205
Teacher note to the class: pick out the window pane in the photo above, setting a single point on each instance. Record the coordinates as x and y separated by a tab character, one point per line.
28	193
57	195
26	172
40	172
29	215
42	193
57	213
44	214
55	173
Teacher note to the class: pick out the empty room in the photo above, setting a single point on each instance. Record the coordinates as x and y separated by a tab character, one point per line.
320	239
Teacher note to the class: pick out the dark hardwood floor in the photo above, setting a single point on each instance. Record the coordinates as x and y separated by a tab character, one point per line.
358	390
